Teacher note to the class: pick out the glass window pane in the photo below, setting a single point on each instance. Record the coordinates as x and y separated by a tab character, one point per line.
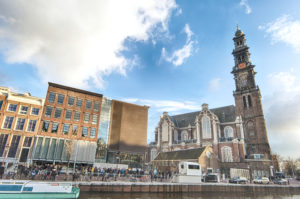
84	131
8	122
57	113
1	102
79	103
54	127
59	150
14	146
77	116
88	104
38	148
3	140
66	129
31	125
51	97
45	148
35	111
71	101
60	99
23	110
45	126
48	111
86	117
52	149
12	107
20	124
27	142
74	130
94	119
68	114
96	106
93	132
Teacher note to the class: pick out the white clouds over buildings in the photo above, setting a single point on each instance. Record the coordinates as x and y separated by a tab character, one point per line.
284	29
244	3
179	56
73	42
282	112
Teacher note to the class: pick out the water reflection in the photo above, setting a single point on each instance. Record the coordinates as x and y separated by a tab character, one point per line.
98	195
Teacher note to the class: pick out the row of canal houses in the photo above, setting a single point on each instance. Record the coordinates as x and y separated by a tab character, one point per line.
61	128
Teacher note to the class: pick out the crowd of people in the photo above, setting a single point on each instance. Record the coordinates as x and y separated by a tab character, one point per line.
85	173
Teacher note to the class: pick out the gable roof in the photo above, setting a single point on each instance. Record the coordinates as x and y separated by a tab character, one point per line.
225	114
188	154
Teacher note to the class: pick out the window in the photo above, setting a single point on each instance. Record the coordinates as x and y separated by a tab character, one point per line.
206	130
3	140
249	101
68	114
31	125
228	132
94	119
84	131
8	122
78	103
226	154
14	146
66	129
184	135
48	111
194	167
60	99
57	113
27	142
244	101
45	126
86	117
1	102
71	101
96	106
77	116
88	104
74	130
12	107
35	111
23	110
93	132
20	124
54	127
51	97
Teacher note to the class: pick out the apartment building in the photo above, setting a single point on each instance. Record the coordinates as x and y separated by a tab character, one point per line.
19	120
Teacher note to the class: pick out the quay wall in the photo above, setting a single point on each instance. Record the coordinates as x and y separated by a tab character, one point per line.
184	188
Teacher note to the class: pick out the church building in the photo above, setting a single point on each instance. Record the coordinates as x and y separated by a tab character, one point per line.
237	134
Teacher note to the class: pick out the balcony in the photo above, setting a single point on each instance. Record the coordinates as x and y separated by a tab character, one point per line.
191	141
223	139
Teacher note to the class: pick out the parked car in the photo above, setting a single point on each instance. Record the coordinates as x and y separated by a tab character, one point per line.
261	180
280	181
238	180
210	177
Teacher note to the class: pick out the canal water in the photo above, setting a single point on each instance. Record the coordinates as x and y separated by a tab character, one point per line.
98	195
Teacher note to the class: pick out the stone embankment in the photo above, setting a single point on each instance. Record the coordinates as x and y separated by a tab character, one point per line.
156	187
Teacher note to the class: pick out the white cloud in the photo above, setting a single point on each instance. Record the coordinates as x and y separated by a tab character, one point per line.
282	111
245	4
73	42
284	29
179	56
214	84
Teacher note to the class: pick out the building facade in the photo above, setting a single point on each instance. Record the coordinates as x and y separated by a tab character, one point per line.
19	118
237	134
69	126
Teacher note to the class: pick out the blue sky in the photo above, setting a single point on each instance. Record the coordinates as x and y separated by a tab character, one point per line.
170	55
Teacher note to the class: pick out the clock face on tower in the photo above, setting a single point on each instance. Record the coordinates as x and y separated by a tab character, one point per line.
242	65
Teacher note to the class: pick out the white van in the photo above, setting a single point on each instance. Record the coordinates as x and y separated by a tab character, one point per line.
190	169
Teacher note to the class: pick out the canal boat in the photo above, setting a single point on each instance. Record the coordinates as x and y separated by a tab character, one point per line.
38	190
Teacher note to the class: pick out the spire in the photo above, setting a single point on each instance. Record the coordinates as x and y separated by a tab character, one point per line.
238	32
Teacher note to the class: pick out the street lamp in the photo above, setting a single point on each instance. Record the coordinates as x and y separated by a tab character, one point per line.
250	173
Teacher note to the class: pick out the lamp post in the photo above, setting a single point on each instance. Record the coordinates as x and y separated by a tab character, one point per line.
250	173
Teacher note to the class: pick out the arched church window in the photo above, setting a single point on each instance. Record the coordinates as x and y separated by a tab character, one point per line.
226	154
206	130
249	101
184	135
175	135
245	102
228	132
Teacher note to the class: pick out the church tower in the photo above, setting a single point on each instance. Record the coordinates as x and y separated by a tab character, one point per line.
248	101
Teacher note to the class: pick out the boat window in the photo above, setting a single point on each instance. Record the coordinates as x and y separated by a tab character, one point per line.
182	166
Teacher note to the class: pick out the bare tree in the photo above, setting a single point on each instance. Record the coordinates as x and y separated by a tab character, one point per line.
68	151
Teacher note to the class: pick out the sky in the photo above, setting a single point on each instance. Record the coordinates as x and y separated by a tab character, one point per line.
170	55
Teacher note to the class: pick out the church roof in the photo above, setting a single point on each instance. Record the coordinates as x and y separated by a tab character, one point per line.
225	114
189	154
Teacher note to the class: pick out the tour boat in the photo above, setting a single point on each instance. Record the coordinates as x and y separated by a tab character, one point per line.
39	190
